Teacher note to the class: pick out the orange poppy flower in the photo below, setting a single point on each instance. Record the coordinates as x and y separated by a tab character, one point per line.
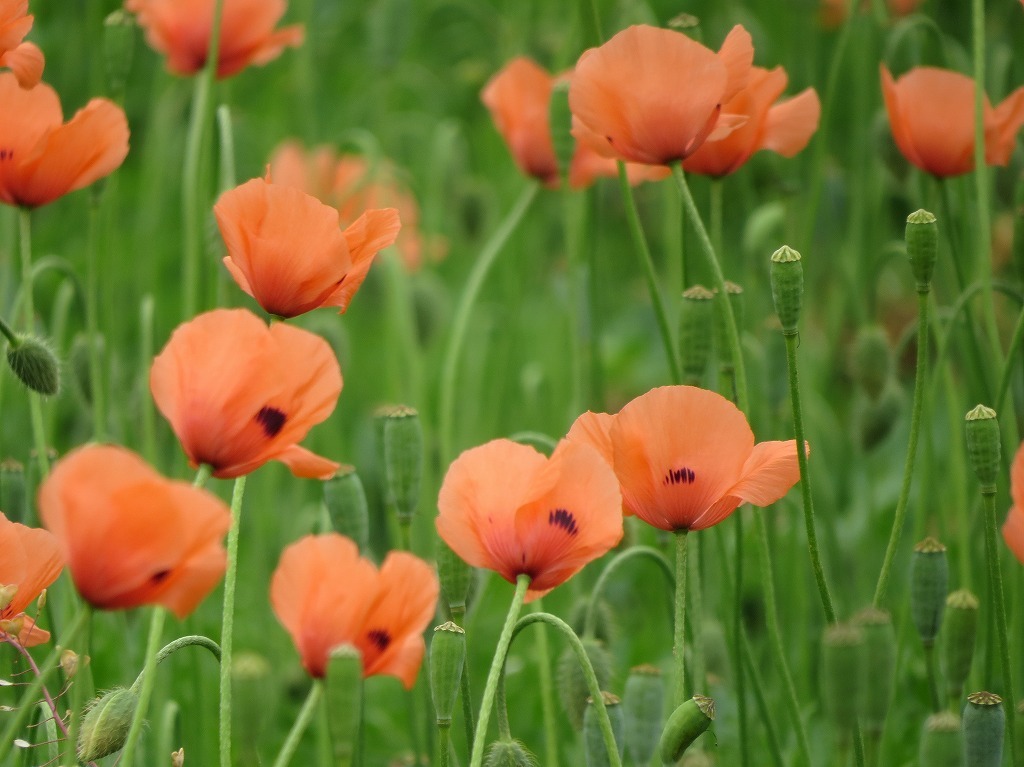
784	128
653	96
1013	527
686	457
31	561
833	12
286	250
181	30
130	536
931	112
25	60
239	394
41	156
508	508
326	595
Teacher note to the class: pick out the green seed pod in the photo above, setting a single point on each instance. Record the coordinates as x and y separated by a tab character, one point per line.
35	364
105	723
959	632
984	720
403	459
687	723
880	661
843	674
643	704
343	690
929	587
118	48
447	656
983	446
593	739
572	685
455	577
561	124
942	744
787	276
872	362
696	332
922	236
13	500
509	753
346	505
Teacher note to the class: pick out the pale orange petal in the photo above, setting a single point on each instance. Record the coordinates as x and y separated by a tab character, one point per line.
306	464
1013	532
27	62
30	634
737	53
373	231
594	429
1001	128
791	123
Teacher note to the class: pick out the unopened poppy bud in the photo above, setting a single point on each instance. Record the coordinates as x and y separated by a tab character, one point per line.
41	600
942	741
178	758
455	577
508	753
447	657
572	684
105	723
7	595
929	578
345	500
560	118
696	331
403	459
69	663
842	673
687	723
880	660
643	708
593	738
872	361
983	446
787	276
344	692
12	490
983	723
922	238
118	48
35	364
959	632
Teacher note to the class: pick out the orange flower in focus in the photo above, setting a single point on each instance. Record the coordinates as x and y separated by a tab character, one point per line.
239	394
784	128
30	561
1013	527
130	536
653	96
25	60
286	250
931	112
41	156
686	457
181	30
326	595
508	508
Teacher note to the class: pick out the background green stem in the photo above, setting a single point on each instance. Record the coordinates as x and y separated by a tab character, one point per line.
156	627
228	625
301	723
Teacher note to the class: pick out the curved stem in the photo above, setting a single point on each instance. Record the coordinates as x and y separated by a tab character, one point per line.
301	723
679	619
50	703
156	627
172	647
590	616
228	625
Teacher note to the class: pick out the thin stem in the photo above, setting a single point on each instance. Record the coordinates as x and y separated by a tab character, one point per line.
192	640
679	621
444	743
590	616
301	723
228	625
203	474
738	633
96	385
933	677
156	627
34	400
50	704
547	697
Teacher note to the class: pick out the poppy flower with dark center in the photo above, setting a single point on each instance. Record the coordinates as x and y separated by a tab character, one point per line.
25	60
30	560
1013	527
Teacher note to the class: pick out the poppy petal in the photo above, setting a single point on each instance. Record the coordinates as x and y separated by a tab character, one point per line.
737	53
791	123
26	62
768	474
373	231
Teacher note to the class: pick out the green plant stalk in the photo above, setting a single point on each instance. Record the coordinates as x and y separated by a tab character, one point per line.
81	690
933	677
228	625
698	679
908	468
590	616
34	400
497	664
99	401
450	365
547	697
644	252
679	620
324	747
156	627
738	633
444	743
301	723
746	656
146	311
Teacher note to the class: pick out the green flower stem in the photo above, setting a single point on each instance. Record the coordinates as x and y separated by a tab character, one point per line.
96	384
483	265
590	616
657	303
716	208
588	672
933	677
192	640
34	400
82	689
497	664
156	627
203	474
679	620
146	312
228	628
738	632
908	468
547	696
444	744
995	582
301	723
746	656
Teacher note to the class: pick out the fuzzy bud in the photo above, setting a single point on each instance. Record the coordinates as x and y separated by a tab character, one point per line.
105	724
922	237
455	577
572	684
403	459
346	505
983	723
959	632
983	446
942	741
447	657
508	753
643	705
696	331
35	365
929	579
787	277
687	723
344	692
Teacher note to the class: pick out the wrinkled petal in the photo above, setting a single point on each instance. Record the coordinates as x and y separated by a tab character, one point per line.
370	233
26	62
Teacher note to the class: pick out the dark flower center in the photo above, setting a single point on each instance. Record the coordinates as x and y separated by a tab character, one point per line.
680	476
271	420
380	638
564	519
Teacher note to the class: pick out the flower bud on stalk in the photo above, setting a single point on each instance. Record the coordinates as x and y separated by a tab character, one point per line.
787	278
403	460
35	364
643	709
696	331
983	723
959	632
687	723
344	692
508	753
929	577
942	741
842	675
593	738
447	657
880	652
346	505
983	446
13	500
922	238
105	724
455	577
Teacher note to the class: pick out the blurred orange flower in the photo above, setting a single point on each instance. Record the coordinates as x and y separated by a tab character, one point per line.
41	156
25	60
130	536
1013	527
508	508
931	112
30	562
239	394
686	457
833	12
785	127
181	30
326	595
653	96
286	250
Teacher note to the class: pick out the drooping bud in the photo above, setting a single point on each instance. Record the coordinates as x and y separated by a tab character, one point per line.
983	723
35	365
455	577
593	738
983	446
787	277
687	723
880	656
959	632
942	741
872	360
105	724
560	118
447	656
643	708
572	684
929	579
508	753
403	459
346	505
842	674
696	331
344	693
118	48
12	490
922	236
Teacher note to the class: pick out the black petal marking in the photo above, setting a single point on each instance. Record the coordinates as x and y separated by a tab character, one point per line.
271	420
157	578
680	476
6	154
564	519
381	638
